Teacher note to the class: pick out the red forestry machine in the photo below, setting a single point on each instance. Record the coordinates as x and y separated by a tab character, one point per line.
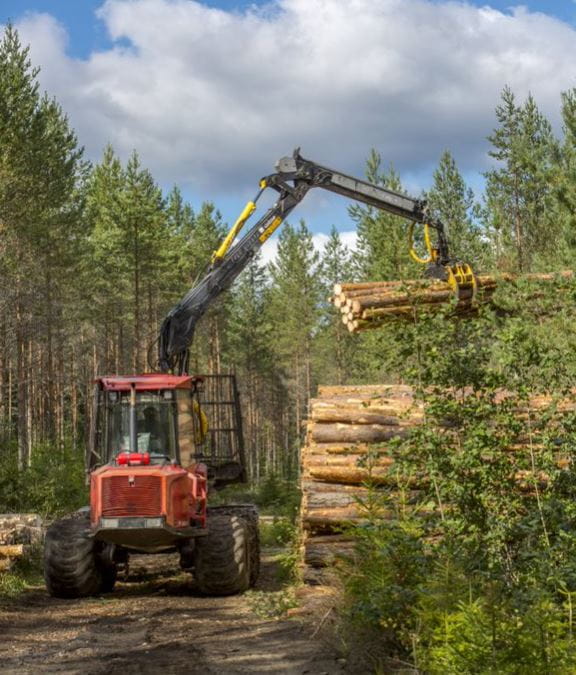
160	442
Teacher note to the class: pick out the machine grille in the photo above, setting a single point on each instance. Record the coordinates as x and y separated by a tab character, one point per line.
131	496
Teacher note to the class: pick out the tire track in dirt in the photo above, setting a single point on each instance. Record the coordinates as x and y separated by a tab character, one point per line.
156	623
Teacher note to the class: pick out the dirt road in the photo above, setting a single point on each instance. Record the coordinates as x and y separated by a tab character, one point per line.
155	623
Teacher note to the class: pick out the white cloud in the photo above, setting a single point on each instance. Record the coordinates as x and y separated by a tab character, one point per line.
211	98
270	248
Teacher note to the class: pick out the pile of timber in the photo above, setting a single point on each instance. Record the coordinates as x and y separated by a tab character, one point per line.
19	533
344	426
347	445
370	304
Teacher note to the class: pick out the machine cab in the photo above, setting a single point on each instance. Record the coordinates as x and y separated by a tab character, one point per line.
159	419
147	419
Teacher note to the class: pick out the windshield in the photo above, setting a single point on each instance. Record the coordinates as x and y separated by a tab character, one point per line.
155	424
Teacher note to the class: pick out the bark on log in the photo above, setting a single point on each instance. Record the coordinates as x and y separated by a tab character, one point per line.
365	391
346	461
12	551
387	416
363	302
310	485
368	305
20	528
358	286
363	433
327	554
349	475
334	479
324	449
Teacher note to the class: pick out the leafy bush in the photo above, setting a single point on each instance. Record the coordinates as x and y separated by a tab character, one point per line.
477	573
25	571
271	604
53	484
273	496
280	532
278	497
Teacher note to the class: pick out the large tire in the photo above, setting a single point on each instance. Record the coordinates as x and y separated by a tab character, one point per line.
250	513
71	565
222	557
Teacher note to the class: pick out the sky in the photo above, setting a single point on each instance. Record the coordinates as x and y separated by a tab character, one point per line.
211	93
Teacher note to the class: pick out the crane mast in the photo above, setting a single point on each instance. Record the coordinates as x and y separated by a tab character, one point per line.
293	178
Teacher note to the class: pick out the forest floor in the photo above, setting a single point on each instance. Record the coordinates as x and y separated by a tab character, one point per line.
154	622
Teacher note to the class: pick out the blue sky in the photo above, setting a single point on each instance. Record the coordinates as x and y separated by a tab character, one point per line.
211	99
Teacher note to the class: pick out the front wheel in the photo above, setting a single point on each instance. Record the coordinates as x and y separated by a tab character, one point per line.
222	557
72	568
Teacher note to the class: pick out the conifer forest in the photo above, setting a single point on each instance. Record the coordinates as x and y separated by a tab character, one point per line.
467	557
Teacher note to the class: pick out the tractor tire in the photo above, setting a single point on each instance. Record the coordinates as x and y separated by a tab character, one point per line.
250	513
222	557
71	565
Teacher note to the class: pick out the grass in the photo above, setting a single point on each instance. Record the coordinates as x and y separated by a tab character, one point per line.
24	573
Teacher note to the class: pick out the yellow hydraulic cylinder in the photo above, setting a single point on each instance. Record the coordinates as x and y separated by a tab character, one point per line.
229	239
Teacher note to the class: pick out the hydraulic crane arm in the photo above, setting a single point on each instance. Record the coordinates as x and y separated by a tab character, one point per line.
294	177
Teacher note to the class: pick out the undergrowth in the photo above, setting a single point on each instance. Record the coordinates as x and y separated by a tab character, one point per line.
24	573
273	496
476	570
272	604
53	484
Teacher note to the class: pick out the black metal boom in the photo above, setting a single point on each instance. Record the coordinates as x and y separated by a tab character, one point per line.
294	177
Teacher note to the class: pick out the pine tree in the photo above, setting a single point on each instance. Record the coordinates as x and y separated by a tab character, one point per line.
250	352
144	243
565	182
337	346
41	237
109	307
382	248
180	220
519	194
210	338
136	251
294	314
452	202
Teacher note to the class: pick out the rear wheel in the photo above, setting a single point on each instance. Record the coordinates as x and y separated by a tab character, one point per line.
250	514
72	568
224	558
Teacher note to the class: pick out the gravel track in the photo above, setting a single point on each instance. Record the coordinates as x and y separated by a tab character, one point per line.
156	623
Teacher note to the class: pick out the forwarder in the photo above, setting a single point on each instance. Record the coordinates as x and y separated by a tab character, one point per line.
162	442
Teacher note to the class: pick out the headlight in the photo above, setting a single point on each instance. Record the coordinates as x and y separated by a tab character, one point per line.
154	522
109	522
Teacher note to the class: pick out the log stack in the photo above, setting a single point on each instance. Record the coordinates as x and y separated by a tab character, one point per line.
370	304
19	532
348	437
345	426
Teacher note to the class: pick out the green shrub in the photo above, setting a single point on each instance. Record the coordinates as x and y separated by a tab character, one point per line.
485	581
278	497
26	571
53	484
273	496
280	532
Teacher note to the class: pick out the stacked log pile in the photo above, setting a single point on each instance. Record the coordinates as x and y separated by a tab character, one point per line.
347	444
18	534
344	425
370	304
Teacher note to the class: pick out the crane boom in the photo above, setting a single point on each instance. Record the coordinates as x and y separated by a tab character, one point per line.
294	177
